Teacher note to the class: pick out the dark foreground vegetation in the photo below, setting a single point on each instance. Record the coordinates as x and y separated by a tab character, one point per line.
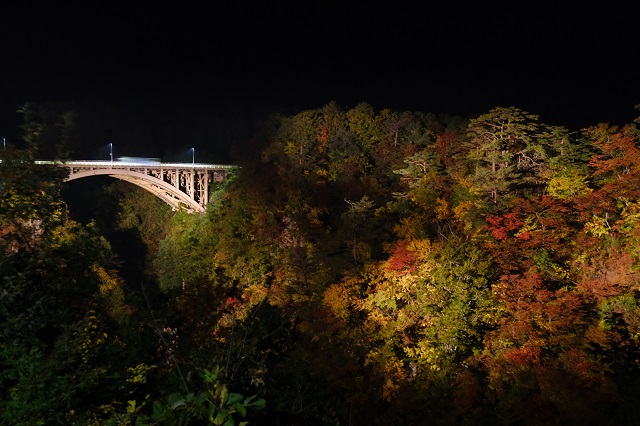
359	268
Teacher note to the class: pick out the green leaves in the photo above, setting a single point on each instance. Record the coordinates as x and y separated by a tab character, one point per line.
214	405
509	151
30	204
186	254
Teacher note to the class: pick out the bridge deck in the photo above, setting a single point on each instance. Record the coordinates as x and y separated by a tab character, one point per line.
120	164
181	185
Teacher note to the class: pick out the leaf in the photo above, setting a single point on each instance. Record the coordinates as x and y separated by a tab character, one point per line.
175	400
158	410
201	399
224	395
259	404
221	418
234	398
240	409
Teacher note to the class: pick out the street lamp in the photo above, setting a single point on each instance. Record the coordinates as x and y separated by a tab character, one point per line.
111	151
193	158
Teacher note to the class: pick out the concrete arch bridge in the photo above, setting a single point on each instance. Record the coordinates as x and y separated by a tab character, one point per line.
181	185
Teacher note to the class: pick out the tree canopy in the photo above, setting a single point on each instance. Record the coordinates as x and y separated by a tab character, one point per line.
359	267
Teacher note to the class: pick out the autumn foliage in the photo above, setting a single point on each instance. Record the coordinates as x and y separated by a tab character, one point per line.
380	267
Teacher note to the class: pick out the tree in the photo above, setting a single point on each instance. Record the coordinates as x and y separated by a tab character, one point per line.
48	130
30	205
359	224
507	149
61	302
617	153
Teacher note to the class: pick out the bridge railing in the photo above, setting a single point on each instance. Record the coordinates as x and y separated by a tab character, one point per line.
139	163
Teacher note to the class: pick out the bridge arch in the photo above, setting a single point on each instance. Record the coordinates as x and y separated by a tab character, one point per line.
161	189
180	185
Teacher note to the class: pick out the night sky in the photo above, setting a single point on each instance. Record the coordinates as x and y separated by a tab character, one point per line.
572	66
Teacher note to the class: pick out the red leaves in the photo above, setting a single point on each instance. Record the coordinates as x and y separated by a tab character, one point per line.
499	226
402	259
230	301
523	356
579	363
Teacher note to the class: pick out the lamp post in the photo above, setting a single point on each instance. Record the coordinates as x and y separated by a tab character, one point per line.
111	151
193	157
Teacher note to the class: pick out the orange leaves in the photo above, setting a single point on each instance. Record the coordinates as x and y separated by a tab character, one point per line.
608	275
620	153
525	299
323	137
538	316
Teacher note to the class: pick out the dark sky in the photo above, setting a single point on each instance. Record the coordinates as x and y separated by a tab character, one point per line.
572	66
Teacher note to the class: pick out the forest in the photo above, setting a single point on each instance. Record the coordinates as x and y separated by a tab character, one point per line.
358	267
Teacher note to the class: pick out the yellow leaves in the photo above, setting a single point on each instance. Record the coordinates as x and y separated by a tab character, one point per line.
92	337
442	209
408	257
390	389
340	298
544	323
138	374
461	212
403	285
131	406
422	248
111	289
391	368
629	222
406	227
465	180
108	281
314	214
289	148
255	293
322	173
424	353
378	320
384	300
392	293
598	227
62	236
530	225
389	286
567	183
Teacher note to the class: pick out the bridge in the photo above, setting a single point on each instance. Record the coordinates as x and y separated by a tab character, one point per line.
181	185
